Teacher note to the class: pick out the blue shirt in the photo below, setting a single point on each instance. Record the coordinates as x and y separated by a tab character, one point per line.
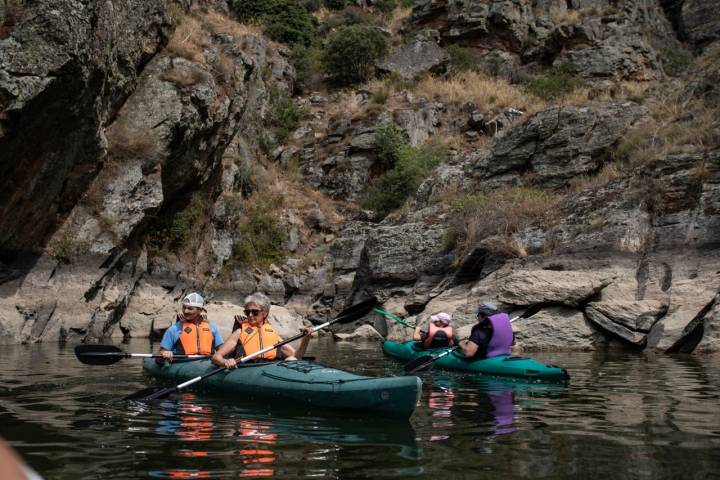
172	336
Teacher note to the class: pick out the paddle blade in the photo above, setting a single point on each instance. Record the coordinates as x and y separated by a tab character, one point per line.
151	393
420	364
99	354
356	311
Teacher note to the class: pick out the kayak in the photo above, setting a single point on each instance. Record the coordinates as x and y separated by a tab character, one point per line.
501	366
302	382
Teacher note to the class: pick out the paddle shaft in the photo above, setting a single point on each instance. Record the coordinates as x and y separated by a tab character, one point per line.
137	355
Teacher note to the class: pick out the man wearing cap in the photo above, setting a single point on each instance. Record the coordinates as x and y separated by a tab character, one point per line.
439	333
492	336
192	334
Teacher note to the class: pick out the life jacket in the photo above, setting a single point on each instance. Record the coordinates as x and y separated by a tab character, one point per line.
253	339
196	339
502	335
433	330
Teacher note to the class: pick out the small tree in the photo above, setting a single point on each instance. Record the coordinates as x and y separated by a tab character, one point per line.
351	53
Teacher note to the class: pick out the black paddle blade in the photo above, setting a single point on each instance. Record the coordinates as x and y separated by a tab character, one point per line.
420	364
151	393
99	354
356	311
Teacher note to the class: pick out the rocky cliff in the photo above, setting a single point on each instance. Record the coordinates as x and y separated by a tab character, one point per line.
140	147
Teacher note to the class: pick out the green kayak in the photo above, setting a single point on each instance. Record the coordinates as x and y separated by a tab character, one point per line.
302	382
501	366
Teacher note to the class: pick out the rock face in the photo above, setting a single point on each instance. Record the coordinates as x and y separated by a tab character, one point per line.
602	39
547	144
65	69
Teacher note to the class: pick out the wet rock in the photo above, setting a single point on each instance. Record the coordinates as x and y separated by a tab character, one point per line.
364	332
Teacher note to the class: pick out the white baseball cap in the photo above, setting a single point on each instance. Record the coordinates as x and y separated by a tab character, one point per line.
193	300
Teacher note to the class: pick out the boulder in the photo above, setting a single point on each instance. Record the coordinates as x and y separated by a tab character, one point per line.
557	328
364	332
571	288
415	58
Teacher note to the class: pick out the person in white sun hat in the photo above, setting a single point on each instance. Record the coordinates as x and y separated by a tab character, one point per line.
192	334
440	332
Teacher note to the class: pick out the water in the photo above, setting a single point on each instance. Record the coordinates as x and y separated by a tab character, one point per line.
622	416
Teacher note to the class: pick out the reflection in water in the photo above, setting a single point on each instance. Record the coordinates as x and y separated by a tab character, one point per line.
622	416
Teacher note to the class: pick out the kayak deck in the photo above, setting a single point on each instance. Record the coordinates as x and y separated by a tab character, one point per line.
501	366
302	382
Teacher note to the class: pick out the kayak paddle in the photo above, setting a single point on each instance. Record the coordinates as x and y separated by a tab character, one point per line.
109	354
426	362
394	317
348	315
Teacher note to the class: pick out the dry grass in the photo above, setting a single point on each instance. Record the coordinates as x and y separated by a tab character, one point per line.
569	16
127	143
183	77
500	213
189	40
395	22
678	124
489	94
609	172
218	23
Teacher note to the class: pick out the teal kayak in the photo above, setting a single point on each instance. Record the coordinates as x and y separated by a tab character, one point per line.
303	384
500	366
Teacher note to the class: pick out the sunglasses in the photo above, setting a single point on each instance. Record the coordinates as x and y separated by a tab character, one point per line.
254	312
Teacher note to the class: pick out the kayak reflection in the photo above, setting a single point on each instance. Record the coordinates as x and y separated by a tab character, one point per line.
247	442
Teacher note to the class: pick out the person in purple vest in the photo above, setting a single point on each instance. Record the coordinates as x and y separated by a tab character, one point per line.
492	336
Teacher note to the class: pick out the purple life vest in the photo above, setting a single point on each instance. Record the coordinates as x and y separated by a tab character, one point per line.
502	335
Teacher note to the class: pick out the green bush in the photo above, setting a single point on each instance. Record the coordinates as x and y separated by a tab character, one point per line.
284	116
407	3
285	21
351	53
559	82
462	59
675	61
262	239
338	4
177	228
385	7
308	67
348	16
391	190
389	140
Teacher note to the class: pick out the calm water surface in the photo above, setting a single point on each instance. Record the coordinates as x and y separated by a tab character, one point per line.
622	416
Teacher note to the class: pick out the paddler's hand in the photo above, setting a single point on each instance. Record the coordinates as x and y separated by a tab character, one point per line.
167	355
307	331
230	363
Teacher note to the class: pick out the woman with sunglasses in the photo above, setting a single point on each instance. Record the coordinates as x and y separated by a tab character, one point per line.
255	333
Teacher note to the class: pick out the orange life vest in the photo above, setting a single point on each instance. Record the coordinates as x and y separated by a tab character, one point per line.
433	330
196	339
253	339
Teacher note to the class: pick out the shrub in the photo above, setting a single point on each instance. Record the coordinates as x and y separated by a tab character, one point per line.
262	238
391	190
176	12
348	16
559	82
308	67
65	247
385	6
338	4
285	20
389	140
675	60
476	217
462	59
351	53
284	116
177	228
